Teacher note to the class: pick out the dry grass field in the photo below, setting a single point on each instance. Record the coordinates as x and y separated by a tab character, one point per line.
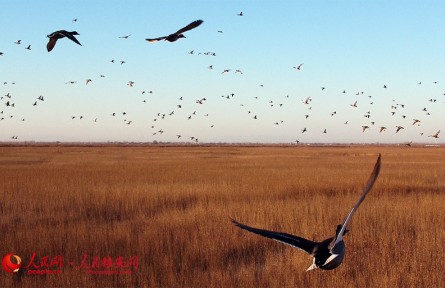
170	207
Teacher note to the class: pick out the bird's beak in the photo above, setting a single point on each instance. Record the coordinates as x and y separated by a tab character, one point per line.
313	266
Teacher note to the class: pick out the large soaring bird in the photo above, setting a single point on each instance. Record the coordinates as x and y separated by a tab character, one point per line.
178	34
53	37
328	254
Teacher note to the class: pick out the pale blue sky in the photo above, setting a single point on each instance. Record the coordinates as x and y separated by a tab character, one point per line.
356	46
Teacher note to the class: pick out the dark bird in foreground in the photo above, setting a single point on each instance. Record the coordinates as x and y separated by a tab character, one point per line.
328	254
178	34
53	37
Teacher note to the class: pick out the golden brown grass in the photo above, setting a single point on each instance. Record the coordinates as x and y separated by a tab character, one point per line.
170	206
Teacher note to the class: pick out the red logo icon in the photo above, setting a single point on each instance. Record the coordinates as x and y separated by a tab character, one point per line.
11	263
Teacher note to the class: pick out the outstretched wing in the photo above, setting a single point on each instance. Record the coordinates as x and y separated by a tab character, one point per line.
155	39
294	241
191	26
51	44
71	37
368	187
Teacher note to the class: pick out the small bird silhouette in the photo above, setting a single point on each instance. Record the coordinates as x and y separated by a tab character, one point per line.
308	99
178	34
435	135
399	128
53	37
201	101
298	67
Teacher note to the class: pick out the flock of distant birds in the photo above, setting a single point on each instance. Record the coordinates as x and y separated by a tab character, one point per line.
60	34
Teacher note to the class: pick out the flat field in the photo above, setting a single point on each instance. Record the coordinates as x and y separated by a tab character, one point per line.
159	216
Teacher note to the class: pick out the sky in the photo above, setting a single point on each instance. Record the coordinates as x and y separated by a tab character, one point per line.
351	48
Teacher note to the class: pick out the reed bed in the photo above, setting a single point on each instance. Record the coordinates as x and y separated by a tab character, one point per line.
170	207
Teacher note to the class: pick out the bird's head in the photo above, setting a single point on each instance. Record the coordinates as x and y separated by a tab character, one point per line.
181	36
74	33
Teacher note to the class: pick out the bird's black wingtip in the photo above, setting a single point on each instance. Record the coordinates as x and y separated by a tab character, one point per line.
379	159
234	222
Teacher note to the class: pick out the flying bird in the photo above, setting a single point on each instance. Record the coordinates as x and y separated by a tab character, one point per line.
435	135
328	254
399	128
53	37
201	101
308	99
298	67
178	34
